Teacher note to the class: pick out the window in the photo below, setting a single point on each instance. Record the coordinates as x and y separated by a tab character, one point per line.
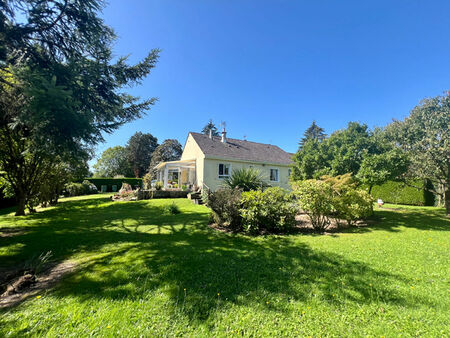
224	170
274	176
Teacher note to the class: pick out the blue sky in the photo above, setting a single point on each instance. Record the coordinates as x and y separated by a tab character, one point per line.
269	68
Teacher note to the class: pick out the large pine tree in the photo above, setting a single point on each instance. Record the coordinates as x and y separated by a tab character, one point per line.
314	132
58	69
210	126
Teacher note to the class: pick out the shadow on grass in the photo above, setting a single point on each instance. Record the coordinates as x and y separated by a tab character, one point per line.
141	248
393	219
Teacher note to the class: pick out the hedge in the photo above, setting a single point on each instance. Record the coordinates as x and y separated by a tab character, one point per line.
400	193
109	182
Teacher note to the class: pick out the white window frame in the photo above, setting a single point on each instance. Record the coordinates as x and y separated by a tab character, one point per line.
278	175
218	170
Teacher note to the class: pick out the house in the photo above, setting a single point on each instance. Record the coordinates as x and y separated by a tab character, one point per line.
207	160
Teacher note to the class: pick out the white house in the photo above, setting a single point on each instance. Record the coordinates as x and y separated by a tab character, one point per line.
207	160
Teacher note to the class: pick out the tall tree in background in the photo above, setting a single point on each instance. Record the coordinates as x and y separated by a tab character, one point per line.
424	135
210	127
314	132
60	89
113	161
169	150
140	148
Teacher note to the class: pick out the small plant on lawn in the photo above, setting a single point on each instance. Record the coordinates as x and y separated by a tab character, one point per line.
225	204
246	179
315	198
173	209
273	210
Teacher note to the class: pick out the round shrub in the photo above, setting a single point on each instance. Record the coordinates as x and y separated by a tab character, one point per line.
315	198
225	204
272	209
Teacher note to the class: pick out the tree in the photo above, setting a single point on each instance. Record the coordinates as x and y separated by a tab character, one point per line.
140	148
112	162
311	161
314	132
60	89
339	154
210	126
169	150
378	168
424	136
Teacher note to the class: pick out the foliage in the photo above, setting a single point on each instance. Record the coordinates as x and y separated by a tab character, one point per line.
169	150
314	132
272	209
225	204
78	189
245	179
62	88
315	198
379	168
337	197
159	185
147	180
113	162
339	154
109	182
409	193
210	126
140	148
424	135
173	209
350	203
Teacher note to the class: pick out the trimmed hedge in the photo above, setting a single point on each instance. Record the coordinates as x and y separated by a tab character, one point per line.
399	193
109	182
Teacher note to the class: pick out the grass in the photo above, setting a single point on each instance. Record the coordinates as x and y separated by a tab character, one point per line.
145	271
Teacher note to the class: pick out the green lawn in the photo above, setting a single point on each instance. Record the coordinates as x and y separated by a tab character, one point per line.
145	272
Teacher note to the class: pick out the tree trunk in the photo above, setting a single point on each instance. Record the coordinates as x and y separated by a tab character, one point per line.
21	202
447	201
370	188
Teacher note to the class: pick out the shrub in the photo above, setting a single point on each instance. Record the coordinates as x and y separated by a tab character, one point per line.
109	182
78	189
225	204
400	193
272	210
159	185
315	198
352	205
245	179
173	209
147	180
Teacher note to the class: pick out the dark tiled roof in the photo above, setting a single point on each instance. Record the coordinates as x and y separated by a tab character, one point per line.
235	149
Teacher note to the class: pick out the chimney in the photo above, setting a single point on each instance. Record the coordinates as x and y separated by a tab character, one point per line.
224	135
210	133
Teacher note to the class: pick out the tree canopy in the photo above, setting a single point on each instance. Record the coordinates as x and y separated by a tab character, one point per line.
67	90
112	162
210	126
314	132
424	136
140	148
169	150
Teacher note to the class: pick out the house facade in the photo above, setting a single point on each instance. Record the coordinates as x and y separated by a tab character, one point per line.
207	160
